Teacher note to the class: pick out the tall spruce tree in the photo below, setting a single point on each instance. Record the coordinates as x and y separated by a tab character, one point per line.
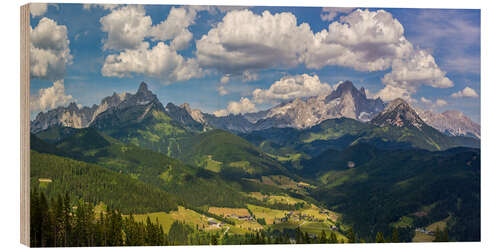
379	238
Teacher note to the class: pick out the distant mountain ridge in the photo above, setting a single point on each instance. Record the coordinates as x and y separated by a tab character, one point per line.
75	117
451	122
345	101
301	113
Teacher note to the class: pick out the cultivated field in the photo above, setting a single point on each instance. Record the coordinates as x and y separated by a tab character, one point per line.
182	214
268	214
228	212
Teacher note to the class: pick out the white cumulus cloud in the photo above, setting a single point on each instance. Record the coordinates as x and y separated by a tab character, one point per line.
247	41
221	89
364	40
466	92
425	100
50	98
241	107
441	102
161	62
49	50
427	103
175	27
329	13
224	79
390	92
418	69
38	9
410	73
126	27
291	87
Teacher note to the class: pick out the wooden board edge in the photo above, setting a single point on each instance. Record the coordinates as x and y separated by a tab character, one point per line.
25	123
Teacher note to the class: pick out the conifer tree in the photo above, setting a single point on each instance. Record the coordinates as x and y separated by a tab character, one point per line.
298	236
379	238
351	236
333	238
322	238
395	235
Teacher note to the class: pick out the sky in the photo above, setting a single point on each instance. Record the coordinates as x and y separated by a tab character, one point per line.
224	60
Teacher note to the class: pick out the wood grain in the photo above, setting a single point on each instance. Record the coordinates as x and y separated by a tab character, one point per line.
25	123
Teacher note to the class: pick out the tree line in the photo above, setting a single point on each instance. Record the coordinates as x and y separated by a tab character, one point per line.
57	223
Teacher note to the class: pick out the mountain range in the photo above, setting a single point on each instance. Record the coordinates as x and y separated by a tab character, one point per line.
301	113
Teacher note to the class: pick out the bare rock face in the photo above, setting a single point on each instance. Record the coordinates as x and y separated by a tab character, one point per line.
184	115
75	117
70	116
345	101
196	114
400	114
451	122
301	113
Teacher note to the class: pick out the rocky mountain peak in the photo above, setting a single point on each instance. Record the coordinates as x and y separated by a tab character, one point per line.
345	88
186	107
195	114
143	96
400	114
397	103
362	91
73	107
143	88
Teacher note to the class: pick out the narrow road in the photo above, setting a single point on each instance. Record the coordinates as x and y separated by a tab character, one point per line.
227	229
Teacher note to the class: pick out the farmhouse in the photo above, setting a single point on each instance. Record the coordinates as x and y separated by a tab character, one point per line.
245	217
213	223
351	164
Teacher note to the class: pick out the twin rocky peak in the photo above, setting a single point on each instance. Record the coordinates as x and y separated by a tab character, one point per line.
345	101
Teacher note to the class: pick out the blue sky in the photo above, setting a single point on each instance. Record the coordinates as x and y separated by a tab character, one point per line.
216	58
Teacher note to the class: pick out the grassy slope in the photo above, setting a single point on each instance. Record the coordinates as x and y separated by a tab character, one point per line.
233	153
